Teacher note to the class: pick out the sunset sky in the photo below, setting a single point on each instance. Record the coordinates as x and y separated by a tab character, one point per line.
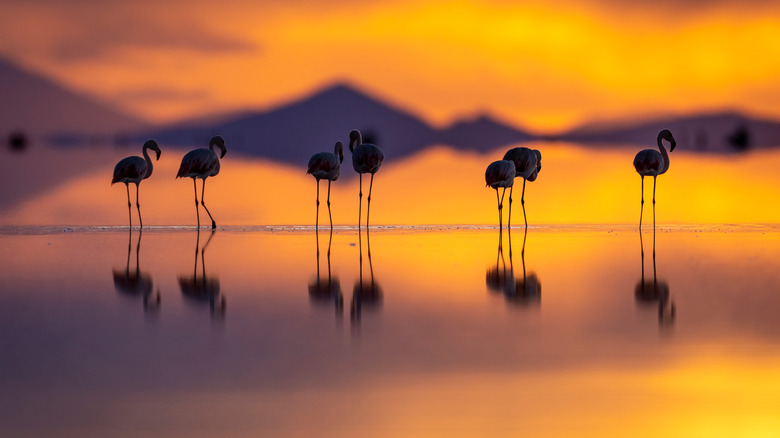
547	65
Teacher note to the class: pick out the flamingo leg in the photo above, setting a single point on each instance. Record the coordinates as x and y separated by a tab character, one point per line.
138	204
317	217
642	203
203	203
498	203
654	180
509	219
129	206
360	194
330	215
368	207
197	211
501	205
522	202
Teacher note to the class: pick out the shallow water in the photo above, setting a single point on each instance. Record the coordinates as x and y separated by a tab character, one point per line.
432	330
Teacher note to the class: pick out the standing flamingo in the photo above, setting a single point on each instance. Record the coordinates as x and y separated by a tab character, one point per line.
134	170
528	163
202	163
326	165
500	174
650	162
366	158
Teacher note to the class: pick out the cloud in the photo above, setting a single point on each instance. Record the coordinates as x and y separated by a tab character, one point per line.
100	39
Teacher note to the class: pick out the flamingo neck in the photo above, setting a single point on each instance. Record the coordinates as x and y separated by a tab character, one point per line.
664	154
149	165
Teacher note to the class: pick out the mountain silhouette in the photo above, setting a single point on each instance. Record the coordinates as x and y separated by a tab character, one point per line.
40	107
714	132
293	132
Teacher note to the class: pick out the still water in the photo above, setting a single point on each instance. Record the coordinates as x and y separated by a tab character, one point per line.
429	331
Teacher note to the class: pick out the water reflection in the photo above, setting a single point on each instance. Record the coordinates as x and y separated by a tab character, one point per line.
326	291
523	292
654	293
366	294
203	289
136	283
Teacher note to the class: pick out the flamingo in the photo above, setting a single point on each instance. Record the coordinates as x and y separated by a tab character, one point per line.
366	158
650	162
500	174
202	163
528	163
135	169
326	165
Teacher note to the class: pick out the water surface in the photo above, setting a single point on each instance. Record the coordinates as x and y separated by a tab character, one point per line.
439	330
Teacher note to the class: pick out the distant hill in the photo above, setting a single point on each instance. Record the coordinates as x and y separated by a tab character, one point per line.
718	132
295	131
481	133
39	107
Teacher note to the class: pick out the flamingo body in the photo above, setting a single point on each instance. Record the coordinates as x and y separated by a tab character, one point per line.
326	165
500	174
528	162
199	163
367	158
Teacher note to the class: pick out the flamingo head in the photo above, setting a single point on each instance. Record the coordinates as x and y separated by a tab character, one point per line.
219	142
339	150
538	160
667	135
151	144
355	139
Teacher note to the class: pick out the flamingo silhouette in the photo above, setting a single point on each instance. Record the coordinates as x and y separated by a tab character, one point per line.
326	290
136	283
649	292
650	162
528	164
366	293
366	158
135	169
202	288
202	163
500	174
500	279
326	165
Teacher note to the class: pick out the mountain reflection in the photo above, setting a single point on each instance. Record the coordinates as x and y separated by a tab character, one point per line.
366	294
136	283
523	292
654	293
326	291
202	289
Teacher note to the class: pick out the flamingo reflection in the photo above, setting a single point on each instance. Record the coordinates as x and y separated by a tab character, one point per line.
326	290
523	292
366	294
202	289
648	293
136	283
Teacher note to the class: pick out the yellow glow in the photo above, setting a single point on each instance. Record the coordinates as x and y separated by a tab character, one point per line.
437	186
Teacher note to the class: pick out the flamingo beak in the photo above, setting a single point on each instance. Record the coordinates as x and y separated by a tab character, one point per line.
674	143
224	151
158	154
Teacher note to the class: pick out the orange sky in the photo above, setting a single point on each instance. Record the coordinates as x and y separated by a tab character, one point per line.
546	66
